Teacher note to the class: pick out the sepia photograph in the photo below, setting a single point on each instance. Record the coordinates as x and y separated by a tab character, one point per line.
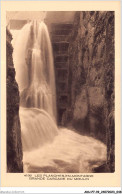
60	91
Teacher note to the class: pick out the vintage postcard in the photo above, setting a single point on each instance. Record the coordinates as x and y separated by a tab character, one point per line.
60	83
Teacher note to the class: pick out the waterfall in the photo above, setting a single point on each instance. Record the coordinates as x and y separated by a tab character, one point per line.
35	76
45	147
34	66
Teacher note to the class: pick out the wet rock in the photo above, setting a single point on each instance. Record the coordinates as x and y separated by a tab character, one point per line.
91	51
14	145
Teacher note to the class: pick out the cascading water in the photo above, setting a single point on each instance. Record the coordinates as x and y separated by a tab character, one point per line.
34	66
35	76
45	148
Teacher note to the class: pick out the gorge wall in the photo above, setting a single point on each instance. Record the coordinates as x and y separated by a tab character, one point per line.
14	145
91	80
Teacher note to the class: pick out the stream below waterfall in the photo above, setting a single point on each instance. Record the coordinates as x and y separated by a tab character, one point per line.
51	150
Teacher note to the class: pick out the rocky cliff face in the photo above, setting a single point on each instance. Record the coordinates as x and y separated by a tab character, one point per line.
14	145
91	81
